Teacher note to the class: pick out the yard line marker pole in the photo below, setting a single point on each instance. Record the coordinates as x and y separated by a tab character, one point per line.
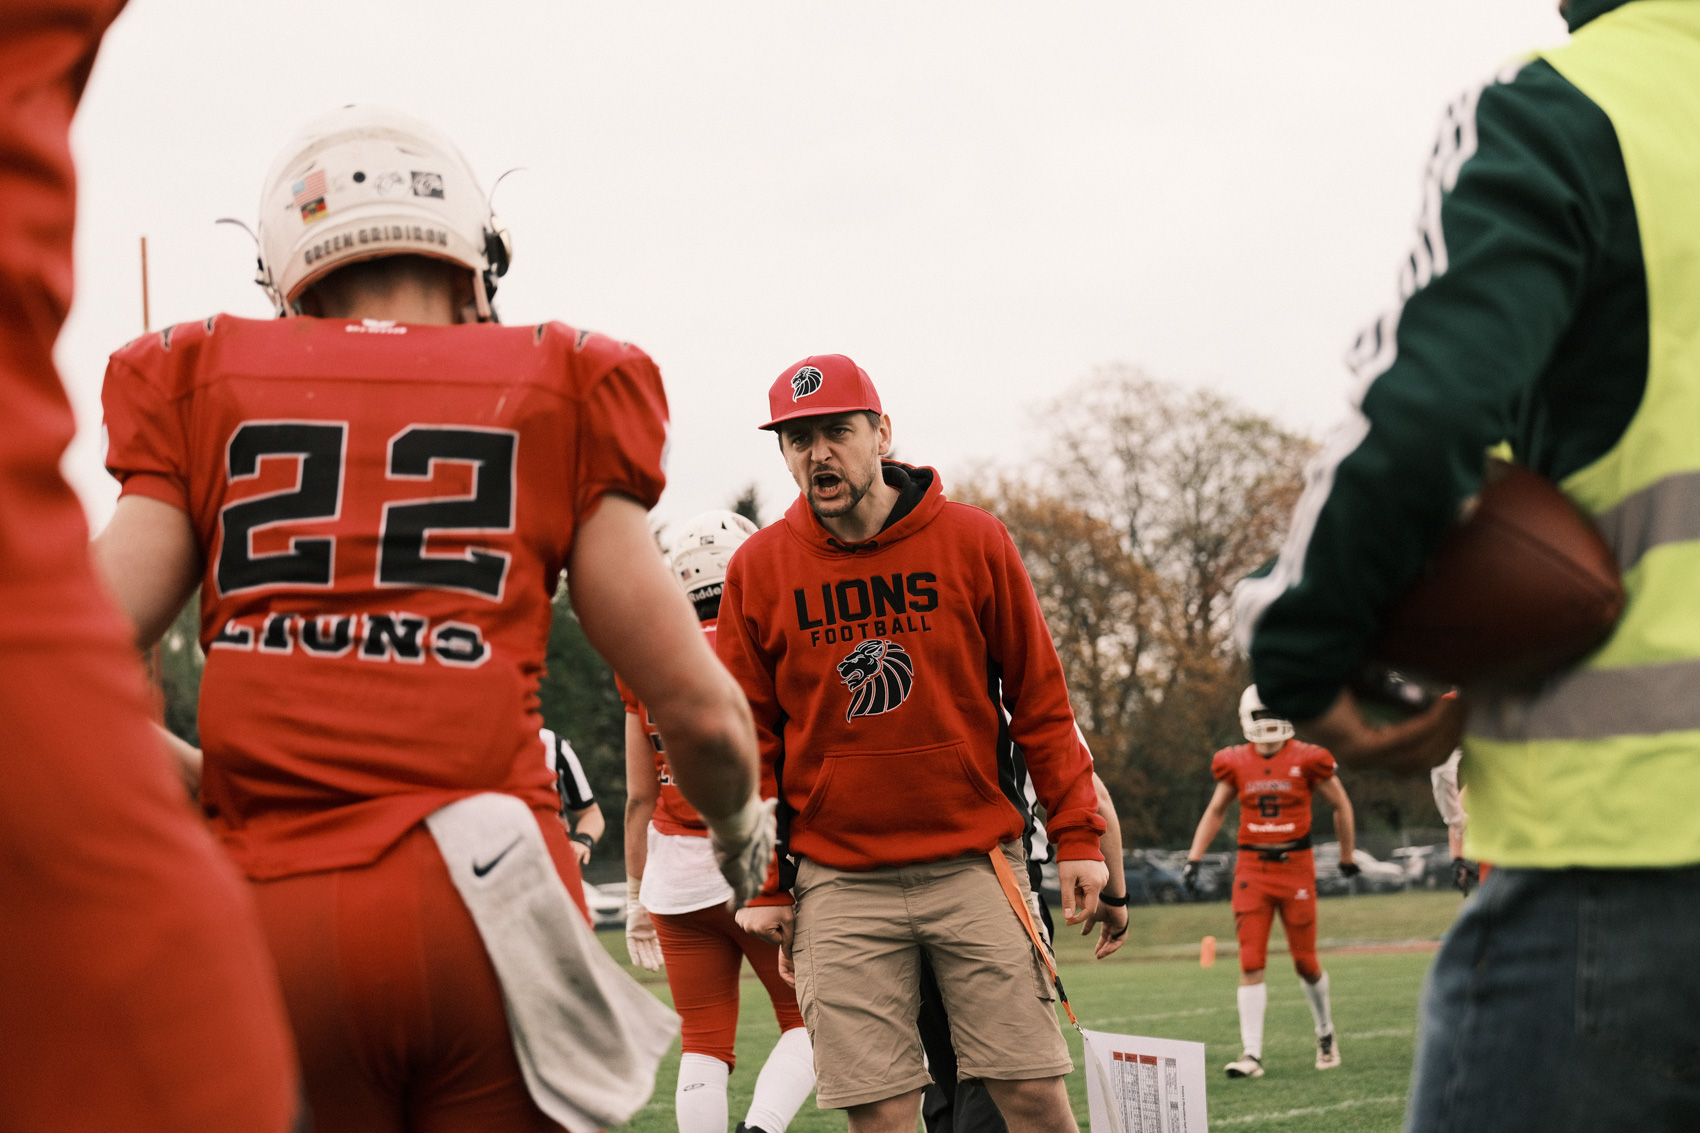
147	323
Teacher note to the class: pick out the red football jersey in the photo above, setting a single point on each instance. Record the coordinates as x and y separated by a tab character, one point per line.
384	511
673	814
1274	790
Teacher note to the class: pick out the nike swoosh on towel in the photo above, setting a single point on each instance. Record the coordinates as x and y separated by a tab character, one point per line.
481	870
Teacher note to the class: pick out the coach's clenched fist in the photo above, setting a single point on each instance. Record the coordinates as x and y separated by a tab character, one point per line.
773	923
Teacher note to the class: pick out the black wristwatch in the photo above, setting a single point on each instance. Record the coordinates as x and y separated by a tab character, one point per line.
1113	902
583	839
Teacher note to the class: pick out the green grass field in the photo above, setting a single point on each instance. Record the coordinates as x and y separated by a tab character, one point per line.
1154	986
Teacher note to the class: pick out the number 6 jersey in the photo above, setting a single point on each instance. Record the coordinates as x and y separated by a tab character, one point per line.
1274	790
383	511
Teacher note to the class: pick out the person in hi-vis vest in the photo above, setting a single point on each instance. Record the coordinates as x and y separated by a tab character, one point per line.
1549	305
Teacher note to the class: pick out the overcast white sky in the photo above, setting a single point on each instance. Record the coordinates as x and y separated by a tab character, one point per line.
979	202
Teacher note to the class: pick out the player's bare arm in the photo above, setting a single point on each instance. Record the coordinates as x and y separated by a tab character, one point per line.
1410	747
150	561
634	614
1345	824
643	788
1210	823
636	617
1112	918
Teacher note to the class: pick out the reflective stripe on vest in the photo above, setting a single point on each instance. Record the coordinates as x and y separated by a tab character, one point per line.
1603	768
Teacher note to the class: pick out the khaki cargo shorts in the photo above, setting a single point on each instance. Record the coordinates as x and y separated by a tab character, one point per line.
859	936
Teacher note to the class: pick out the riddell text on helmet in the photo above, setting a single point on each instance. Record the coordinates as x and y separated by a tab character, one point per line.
377	234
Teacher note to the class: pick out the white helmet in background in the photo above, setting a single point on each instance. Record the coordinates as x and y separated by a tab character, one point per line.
369	181
1261	726
702	549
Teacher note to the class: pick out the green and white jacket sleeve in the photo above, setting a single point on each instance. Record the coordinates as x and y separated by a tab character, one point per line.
1522	308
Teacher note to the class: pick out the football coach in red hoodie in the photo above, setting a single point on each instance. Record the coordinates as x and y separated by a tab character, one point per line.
894	656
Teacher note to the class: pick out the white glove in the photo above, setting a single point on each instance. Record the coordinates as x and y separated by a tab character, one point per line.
641	941
743	847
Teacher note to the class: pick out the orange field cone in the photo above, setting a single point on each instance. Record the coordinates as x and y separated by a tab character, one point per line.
1207	952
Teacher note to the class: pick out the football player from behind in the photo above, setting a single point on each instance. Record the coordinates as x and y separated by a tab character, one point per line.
1273	776
376	493
676	904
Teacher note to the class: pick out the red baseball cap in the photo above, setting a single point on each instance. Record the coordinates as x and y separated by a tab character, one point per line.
819	385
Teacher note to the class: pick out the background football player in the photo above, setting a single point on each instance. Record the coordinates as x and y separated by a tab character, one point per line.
1273	775
676	900
377	493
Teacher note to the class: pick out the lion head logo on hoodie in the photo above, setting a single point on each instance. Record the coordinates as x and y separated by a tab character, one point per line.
879	675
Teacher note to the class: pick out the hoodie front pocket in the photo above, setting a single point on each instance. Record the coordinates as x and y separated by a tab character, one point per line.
928	797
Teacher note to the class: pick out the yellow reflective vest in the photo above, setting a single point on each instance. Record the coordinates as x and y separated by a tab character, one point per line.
1603	767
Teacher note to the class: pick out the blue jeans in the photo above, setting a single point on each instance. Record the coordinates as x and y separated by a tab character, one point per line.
1565	1000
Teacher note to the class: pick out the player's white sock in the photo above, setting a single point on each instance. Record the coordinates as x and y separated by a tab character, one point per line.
700	1101
1254	998
1317	994
784	1084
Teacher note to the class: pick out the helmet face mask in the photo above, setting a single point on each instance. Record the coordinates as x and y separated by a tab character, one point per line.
364	182
1260	725
703	549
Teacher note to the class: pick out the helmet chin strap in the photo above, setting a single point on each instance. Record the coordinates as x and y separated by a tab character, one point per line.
262	274
498	253
481	298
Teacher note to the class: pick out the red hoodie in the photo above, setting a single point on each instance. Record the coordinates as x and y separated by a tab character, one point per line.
880	673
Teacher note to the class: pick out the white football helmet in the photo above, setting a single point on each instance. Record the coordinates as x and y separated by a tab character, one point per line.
1260	725
703	548
368	181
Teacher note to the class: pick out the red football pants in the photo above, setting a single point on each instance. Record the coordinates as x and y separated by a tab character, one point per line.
135	990
1263	889
705	951
397	1010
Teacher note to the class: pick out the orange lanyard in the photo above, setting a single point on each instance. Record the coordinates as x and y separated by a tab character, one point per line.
1006	878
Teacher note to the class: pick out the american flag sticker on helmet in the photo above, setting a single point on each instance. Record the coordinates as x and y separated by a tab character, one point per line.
310	196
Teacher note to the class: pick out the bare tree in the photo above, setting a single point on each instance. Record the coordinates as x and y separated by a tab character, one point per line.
1101	604
1201	487
1147	505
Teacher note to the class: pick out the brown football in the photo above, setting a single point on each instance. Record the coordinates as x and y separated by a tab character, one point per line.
1521	589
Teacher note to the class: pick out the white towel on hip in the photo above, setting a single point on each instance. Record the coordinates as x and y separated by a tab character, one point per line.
589	1037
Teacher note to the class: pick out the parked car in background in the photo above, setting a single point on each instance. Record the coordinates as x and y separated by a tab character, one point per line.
1216	876
1426	867
1377	876
607	904
1154	877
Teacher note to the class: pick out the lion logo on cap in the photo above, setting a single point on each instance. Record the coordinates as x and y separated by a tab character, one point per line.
879	675
805	381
